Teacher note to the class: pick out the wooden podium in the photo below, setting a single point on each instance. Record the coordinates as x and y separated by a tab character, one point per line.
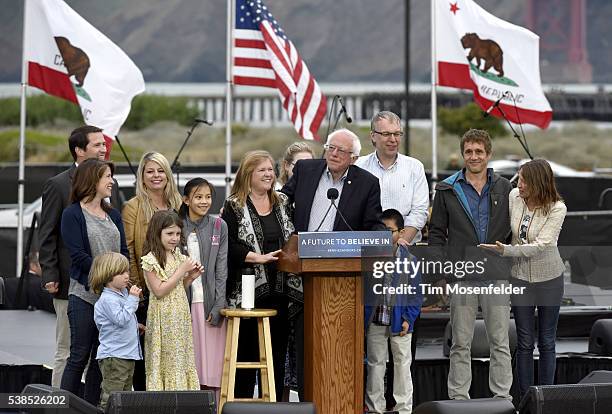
333	330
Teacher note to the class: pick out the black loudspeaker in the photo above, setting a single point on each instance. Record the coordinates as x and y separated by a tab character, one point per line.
597	377
475	406
600	340
74	404
161	402
268	408
480	343
567	399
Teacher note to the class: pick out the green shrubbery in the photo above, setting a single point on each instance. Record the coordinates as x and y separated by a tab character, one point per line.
40	109
456	121
146	109
49	147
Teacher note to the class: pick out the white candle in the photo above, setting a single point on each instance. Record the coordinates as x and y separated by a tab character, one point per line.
248	290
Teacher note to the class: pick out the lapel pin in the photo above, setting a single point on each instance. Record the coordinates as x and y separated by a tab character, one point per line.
349	181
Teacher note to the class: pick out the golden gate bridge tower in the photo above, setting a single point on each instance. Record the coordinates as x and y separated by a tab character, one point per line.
561	25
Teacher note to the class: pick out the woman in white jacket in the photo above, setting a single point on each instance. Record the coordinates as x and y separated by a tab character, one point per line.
537	213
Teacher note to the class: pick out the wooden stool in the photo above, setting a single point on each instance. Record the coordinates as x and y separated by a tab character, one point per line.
265	364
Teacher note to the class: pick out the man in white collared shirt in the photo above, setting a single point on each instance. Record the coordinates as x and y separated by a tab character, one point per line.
403	185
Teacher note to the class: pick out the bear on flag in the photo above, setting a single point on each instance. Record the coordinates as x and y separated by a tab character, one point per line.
495	59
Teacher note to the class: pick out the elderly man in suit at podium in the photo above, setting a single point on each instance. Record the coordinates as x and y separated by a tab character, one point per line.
358	201
358	190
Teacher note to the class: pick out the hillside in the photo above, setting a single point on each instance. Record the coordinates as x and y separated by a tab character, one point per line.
341	40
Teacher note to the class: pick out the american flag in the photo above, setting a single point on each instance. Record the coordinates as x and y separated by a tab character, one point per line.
263	56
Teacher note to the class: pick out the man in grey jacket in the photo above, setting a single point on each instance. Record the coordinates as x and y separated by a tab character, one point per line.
470	208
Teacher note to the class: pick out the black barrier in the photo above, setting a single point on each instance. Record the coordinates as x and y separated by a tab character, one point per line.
161	402
567	399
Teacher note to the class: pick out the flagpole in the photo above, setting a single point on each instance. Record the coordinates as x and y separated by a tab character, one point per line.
228	98
434	115
22	123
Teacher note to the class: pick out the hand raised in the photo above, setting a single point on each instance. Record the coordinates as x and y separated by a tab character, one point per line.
188	265
197	271
135	291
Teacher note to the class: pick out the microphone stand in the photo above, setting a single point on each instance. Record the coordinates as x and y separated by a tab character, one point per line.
522	141
176	165
126	157
332	108
325	216
341	215
338	118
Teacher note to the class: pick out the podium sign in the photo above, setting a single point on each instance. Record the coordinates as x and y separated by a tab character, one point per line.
344	244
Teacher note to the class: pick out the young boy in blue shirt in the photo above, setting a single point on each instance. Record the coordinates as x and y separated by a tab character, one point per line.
392	318
115	317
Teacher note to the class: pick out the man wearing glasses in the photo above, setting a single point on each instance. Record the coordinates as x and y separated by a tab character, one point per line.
358	200
358	190
403	185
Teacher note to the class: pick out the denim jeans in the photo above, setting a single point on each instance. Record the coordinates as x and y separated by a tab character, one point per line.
83	348
546	298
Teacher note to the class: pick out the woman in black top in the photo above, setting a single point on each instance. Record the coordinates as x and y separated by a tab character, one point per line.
259	223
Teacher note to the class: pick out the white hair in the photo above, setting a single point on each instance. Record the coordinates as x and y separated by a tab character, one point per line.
356	150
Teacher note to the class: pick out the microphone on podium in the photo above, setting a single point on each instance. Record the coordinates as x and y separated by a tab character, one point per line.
332	194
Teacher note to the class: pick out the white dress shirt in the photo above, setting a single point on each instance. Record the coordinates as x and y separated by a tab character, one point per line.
321	203
403	186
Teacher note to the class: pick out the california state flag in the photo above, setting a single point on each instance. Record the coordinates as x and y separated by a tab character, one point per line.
69	58
495	59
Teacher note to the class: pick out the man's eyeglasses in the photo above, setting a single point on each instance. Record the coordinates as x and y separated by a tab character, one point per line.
387	134
332	148
393	230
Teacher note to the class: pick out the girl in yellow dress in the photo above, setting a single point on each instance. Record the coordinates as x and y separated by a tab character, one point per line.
169	360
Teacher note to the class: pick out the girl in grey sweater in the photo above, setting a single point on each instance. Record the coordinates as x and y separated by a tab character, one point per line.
206	238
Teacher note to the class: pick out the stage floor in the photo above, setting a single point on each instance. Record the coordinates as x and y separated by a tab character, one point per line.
431	349
27	345
27	337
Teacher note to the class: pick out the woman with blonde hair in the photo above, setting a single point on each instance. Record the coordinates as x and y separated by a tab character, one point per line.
297	151
156	190
259	223
537	213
